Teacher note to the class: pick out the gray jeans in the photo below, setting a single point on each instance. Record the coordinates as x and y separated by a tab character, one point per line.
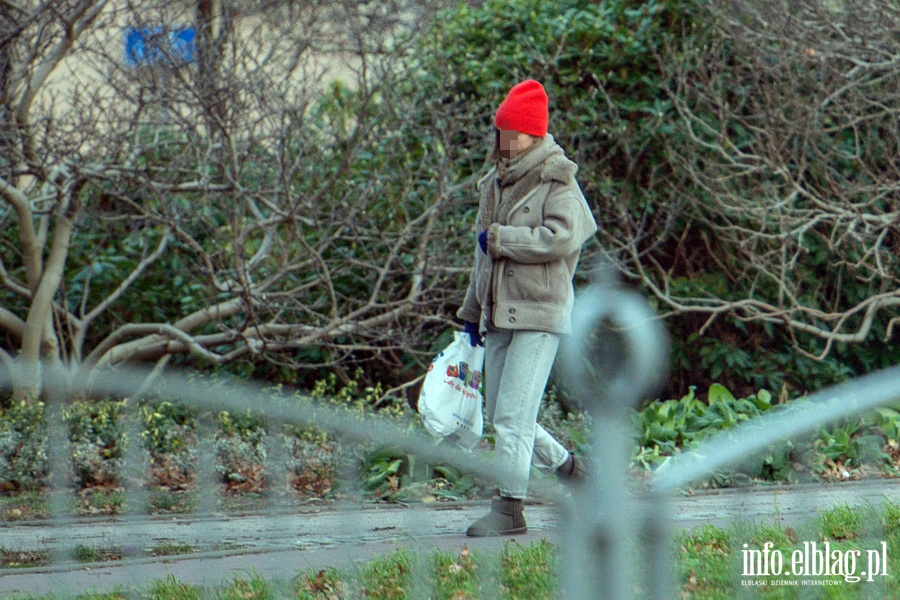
517	366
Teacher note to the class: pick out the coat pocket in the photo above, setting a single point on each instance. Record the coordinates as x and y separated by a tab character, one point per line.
557	273
527	282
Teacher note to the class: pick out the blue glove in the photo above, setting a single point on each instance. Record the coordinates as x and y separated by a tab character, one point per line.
482	241
472	329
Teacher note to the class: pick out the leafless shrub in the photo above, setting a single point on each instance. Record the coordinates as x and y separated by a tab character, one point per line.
790	171
209	201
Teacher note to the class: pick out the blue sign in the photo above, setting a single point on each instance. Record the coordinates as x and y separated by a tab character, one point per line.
160	45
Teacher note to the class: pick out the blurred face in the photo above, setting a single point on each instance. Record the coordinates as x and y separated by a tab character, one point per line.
512	143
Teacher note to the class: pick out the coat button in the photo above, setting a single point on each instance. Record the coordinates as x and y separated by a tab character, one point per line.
510	272
512	319
527	209
512	311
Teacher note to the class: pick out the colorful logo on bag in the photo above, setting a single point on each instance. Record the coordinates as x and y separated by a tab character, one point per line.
471	378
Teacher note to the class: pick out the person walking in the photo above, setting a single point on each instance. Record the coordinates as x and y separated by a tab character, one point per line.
532	222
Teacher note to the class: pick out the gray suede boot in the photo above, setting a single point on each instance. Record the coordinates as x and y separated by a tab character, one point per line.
506	518
575	470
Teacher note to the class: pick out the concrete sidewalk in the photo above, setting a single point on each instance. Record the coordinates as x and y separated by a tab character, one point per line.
283	544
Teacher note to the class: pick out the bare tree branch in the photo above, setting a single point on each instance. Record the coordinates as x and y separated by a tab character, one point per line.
788	142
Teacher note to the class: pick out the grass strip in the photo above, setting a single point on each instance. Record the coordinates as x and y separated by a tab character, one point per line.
711	563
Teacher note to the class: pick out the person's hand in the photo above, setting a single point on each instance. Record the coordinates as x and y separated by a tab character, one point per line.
472	329
482	241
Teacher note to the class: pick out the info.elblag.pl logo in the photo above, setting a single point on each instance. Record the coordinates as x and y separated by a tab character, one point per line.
814	560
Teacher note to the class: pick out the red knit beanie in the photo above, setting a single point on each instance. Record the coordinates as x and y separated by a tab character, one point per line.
524	109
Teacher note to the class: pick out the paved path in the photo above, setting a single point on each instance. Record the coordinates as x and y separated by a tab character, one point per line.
283	544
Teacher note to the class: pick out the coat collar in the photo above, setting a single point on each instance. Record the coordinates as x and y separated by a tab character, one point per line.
545	154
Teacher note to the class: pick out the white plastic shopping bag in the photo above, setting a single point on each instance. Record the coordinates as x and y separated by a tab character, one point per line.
450	400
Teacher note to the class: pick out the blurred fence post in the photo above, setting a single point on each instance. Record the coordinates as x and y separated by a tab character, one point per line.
617	354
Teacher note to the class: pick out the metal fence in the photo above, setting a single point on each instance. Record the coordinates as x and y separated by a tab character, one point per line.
617	547
614	544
